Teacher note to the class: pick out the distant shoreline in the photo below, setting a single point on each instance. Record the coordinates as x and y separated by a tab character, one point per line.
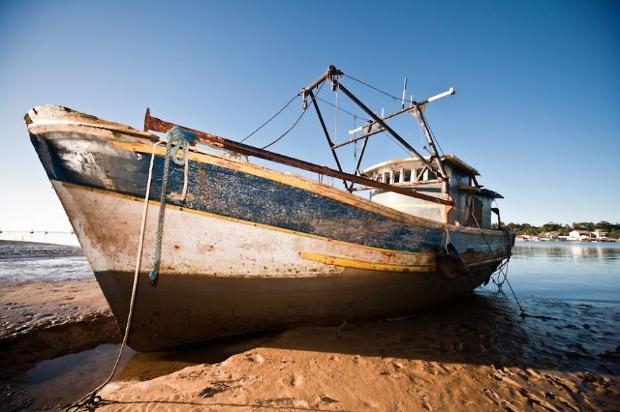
37	236
519	239
23	249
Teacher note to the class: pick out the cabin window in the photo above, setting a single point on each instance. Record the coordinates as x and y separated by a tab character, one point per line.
396	177
386	177
406	175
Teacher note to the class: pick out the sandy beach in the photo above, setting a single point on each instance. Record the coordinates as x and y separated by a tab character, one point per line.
453	359
475	353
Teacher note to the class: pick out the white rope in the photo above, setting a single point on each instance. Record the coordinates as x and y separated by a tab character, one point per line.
138	263
91	400
185	177
447	240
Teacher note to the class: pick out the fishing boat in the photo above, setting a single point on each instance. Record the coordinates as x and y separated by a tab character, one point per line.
220	245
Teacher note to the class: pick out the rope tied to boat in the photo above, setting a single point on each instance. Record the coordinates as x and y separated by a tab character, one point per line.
177	142
91	401
502	269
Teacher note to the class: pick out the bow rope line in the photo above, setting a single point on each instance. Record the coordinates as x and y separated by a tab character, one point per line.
176	140
91	401
500	268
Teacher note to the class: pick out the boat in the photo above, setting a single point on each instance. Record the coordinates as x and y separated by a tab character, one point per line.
224	246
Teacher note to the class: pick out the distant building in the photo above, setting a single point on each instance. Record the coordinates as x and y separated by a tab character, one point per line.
599	234
578	235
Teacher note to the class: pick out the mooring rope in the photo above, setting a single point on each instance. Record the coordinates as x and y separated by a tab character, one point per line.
91	401
501	269
176	140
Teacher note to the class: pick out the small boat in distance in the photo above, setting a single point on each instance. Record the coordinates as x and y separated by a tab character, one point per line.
228	247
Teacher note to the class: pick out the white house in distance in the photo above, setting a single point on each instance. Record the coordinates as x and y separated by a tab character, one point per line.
578	235
600	235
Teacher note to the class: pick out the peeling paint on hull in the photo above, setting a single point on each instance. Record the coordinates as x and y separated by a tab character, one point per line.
251	249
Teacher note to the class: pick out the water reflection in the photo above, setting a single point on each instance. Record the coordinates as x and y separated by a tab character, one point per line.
565	249
565	270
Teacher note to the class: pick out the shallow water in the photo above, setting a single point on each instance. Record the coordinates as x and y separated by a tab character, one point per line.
588	272
570	293
18	270
30	262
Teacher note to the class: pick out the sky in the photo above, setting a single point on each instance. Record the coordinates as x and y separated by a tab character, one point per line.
536	112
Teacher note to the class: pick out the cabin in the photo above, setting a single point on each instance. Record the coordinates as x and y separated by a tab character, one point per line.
473	203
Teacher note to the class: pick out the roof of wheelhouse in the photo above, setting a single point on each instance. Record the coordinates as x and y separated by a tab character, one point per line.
451	160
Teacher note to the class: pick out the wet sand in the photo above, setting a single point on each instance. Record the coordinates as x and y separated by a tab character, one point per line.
476	353
44	320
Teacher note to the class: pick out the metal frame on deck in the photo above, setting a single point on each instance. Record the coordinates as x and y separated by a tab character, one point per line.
332	74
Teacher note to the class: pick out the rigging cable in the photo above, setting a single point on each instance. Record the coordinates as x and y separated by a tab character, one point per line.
336	112
296	121
355	116
441	152
372	87
399	99
270	119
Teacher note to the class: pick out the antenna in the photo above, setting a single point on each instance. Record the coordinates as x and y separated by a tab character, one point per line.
450	92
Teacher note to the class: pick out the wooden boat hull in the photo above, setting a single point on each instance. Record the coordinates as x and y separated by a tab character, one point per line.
250	248
197	308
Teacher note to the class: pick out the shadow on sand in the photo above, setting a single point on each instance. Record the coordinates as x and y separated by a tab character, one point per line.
480	329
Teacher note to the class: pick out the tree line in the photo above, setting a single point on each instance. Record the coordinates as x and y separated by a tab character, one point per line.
612	229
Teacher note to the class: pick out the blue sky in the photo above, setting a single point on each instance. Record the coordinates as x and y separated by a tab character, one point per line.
537	109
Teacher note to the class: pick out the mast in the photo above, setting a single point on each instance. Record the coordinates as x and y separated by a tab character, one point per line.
417	112
379	124
333	74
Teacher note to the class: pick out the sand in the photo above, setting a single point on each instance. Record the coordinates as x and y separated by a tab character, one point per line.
474	354
43	320
454	359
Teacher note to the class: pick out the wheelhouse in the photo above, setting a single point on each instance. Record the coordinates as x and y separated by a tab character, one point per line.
472	203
